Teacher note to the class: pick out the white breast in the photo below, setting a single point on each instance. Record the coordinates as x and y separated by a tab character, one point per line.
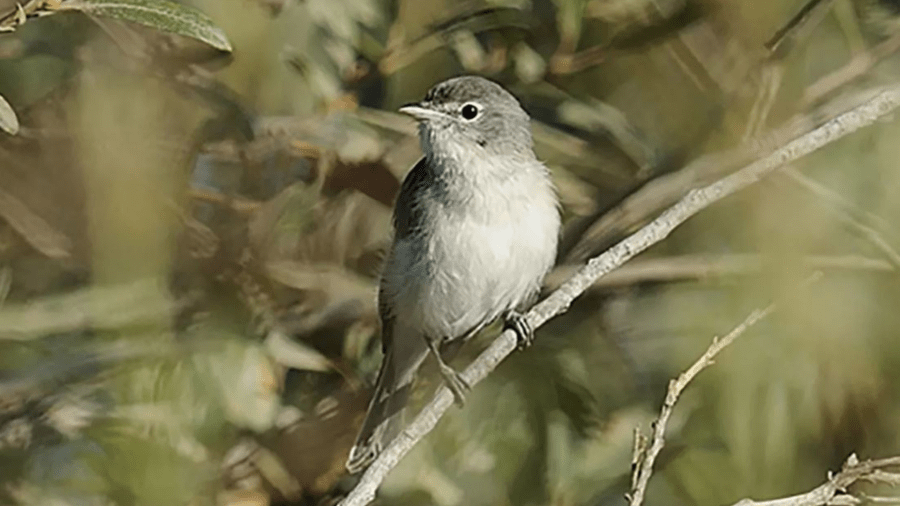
478	259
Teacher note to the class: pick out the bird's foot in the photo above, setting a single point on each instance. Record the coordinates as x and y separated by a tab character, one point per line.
455	382
519	324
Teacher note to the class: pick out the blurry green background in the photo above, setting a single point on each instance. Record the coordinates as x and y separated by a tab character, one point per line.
190	242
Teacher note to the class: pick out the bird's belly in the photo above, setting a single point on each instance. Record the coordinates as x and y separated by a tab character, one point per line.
470	273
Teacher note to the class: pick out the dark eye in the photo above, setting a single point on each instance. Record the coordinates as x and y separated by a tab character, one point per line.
469	111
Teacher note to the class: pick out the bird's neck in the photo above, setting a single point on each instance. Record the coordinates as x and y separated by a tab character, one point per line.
474	165
467	170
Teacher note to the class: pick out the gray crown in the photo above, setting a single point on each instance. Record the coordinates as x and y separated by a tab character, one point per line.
501	126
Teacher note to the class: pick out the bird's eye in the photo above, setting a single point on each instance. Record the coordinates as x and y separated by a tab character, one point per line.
470	111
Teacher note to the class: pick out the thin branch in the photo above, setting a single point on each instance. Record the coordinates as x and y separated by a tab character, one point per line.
645	457
807	18
835	199
834	491
701	267
855	218
857	67
881	500
654	232
663	191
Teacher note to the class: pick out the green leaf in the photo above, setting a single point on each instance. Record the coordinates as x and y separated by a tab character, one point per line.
9	123
159	14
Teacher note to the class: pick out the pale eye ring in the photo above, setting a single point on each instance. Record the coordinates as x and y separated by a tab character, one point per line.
469	111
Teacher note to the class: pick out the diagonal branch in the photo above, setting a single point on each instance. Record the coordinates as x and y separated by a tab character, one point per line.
663	191
855	219
696	200
645	456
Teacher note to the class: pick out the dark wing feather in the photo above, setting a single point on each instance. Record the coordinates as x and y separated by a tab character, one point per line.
407	215
407	219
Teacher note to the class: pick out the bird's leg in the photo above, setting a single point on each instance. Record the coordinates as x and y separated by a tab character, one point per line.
519	324
455	382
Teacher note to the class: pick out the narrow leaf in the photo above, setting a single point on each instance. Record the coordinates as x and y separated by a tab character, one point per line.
9	123
295	354
159	14
34	229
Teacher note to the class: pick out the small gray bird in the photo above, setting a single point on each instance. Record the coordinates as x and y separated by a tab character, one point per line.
476	225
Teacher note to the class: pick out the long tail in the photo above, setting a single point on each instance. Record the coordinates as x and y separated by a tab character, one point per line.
384	419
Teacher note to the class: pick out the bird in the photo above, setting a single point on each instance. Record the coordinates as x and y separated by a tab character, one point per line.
476	225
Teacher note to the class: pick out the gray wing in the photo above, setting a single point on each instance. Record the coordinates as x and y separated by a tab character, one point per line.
408	219
407	215
404	350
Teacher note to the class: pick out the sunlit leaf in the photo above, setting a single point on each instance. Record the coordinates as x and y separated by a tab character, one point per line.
140	302
295	354
246	382
9	123
529	65
159	14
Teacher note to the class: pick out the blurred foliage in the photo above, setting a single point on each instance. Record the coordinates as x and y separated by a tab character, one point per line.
190	240
9	123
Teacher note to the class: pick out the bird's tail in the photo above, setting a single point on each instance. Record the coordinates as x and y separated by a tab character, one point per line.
384	418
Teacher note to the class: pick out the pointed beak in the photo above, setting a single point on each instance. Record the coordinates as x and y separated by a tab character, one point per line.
420	113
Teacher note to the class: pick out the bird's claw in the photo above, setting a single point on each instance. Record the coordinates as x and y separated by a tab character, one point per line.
458	386
519	324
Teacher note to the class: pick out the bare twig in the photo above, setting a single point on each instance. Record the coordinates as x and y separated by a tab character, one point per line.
771	75
834	491
701	267
644	456
654	232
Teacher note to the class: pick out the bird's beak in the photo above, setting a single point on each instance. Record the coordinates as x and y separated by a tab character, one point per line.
420	113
